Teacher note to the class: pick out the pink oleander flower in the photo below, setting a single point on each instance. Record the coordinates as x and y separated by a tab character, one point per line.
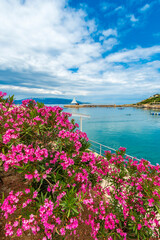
122	149
133	218
27	190
139	226
8	230
29	176
49	189
15	224
2	94
44	176
35	194
150	204
19	232
62	231
73	224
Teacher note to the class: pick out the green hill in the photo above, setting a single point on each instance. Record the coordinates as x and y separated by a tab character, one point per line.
151	100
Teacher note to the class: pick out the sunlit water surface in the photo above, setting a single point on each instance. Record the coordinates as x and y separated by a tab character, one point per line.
135	129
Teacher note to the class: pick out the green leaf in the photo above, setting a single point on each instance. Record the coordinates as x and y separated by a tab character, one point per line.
2	198
158	209
3	150
68	213
75	210
42	167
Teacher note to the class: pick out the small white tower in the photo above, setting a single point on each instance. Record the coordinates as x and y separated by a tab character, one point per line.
74	101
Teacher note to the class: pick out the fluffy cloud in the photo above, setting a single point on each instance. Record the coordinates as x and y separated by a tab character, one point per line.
132	18
33	90
39	32
48	36
110	32
145	7
59	43
133	55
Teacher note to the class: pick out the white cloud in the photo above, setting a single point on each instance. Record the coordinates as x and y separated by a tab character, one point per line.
132	18
110	32
49	38
30	90
34	35
134	79
109	43
118	8
133	55
145	7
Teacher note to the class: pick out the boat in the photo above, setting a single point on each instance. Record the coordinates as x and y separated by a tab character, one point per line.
155	113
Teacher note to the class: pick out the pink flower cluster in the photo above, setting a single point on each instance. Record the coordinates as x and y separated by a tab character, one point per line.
10	134
9	204
110	221
22	154
45	212
2	94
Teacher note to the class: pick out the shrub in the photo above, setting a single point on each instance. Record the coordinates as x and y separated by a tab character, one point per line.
121	196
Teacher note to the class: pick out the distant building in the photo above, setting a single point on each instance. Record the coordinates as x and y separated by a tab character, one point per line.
74	102
156	95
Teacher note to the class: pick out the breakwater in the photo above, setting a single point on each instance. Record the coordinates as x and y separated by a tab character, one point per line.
147	106
97	105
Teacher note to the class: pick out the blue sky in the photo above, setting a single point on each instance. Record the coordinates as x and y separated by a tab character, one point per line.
99	51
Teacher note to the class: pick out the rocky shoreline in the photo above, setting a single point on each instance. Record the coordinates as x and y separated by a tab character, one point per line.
147	106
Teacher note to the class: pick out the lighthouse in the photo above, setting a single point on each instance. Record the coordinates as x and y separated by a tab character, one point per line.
74	101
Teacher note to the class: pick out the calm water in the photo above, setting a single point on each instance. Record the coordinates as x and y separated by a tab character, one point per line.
135	129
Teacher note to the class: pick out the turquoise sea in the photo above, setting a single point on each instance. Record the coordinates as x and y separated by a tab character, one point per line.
133	128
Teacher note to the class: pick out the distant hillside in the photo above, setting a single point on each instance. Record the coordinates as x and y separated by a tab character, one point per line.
151	100
49	101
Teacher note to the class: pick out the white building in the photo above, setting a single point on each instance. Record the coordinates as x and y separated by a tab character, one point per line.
74	101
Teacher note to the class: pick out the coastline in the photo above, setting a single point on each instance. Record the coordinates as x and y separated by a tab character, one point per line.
97	105
146	106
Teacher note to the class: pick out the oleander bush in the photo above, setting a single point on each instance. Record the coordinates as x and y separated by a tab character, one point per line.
120	195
